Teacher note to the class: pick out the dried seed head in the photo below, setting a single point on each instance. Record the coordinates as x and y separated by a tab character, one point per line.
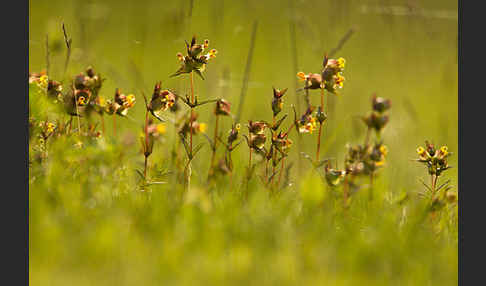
233	133
223	107
257	127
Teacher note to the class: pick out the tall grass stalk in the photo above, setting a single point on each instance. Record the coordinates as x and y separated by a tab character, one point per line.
246	77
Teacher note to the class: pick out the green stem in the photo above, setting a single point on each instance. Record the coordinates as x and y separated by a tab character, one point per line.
320	127
146	145
192	111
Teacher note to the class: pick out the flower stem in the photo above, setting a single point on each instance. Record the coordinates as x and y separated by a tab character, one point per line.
146	145
114	125
371	186
433	179
77	115
103	124
249	162
213	156
192	111
367	137
320	127
281	171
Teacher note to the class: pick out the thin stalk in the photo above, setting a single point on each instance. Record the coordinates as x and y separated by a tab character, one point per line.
320	127
77	113
103	124
192	111
367	137
68	42
345	191
433	179
146	145
114	125
266	170
70	124
372	177
188	167
213	156
281	171
246	77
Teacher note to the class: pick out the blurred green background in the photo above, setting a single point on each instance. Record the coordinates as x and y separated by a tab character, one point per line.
402	50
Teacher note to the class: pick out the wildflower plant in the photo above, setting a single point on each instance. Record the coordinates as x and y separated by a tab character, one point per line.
436	162
330	79
361	160
194	61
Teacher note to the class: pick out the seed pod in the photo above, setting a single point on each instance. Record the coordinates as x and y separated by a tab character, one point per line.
223	107
380	104
233	134
277	104
320	115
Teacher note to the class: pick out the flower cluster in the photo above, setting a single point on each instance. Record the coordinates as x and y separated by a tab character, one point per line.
257	136
365	160
40	79
332	74
312	80
161	100
195	60
331	77
308	122
434	159
46	129
121	103
378	118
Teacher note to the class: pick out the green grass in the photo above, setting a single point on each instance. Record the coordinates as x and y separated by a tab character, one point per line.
90	225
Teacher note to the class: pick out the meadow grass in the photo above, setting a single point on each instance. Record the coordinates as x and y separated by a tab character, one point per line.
90	223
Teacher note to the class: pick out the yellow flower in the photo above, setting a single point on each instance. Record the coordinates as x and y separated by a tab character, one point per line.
50	127
238	126
203	127
444	150
309	127
81	100
423	155
101	101
129	101
161	128
43	81
383	150
301	76
341	62
380	163
212	53
339	80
